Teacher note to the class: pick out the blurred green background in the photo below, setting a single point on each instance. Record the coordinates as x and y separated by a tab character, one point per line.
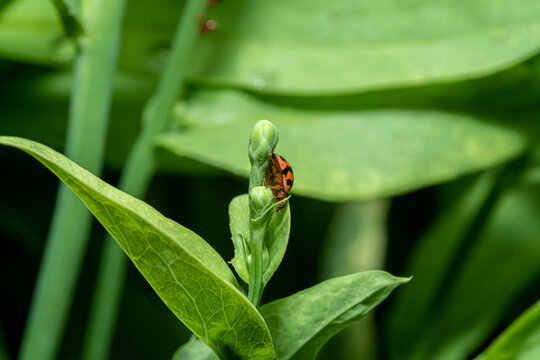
412	127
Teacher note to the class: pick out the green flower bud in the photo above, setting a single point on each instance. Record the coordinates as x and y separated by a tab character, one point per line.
260	200
262	141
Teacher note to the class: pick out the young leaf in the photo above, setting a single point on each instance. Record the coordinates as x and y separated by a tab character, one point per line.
239	224
275	241
520	341
187	273
302	323
194	349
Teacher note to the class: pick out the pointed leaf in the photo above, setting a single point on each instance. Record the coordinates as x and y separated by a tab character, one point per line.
187	273
302	323
275	241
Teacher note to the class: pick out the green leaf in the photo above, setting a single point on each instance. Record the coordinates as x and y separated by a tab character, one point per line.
272	46
275	241
194	349
74	8
187	273
239	224
346	155
520	341
289	46
429	319
302	323
32	31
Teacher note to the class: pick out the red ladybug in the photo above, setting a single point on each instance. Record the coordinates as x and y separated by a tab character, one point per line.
279	178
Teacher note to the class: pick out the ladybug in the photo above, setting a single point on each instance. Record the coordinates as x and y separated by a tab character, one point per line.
279	178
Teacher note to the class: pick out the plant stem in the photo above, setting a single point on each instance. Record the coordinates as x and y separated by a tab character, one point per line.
256	278
94	71
135	180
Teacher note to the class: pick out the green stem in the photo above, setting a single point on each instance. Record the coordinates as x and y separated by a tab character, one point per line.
256	273
135	180
94	71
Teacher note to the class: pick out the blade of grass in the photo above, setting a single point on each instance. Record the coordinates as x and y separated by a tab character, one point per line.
94	71
135	179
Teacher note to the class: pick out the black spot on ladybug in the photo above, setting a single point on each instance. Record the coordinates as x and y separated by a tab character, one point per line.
286	170
289	182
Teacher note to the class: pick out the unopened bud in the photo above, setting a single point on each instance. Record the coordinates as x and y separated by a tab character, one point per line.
262	141
260	200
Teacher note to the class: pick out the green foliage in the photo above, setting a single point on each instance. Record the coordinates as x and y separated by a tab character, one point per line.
348	155
370	45
275	241
188	275
299	331
194	349
428	109
521	341
468	236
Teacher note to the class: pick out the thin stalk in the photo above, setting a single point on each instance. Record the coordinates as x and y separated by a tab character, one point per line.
94	71
256	279
135	180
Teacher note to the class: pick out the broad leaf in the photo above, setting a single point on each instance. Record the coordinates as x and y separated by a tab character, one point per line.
187	273
302	323
273	46
520	341
194	349
346	155
275	241
327	47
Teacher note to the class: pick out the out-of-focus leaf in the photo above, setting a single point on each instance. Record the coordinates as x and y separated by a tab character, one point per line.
194	349
327	47
74	7
346	155
520	341
279	47
32	31
302	323
275	241
356	241
502	263
187	273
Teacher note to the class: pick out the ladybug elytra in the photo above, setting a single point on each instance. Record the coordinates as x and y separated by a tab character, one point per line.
279	178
